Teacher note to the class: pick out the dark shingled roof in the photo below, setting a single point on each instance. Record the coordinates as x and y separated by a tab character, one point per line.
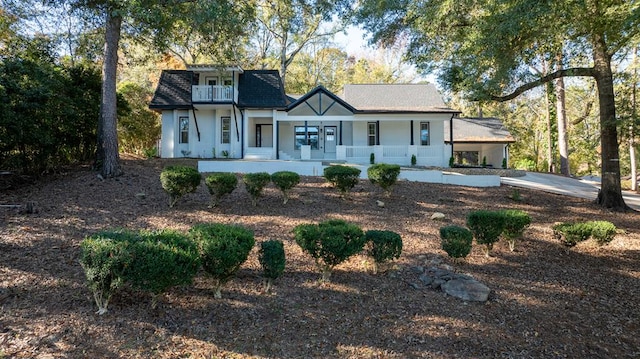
261	89
173	91
478	130
389	98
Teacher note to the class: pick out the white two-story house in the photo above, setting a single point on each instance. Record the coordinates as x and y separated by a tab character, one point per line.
214	112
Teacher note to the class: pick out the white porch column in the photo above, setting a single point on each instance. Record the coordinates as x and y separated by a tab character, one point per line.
305	152
378	151
341	153
245	134
274	133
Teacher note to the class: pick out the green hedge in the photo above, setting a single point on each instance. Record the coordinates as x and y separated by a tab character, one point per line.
255	184
344	178
486	226
272	259
329	243
515	222
384	175
178	181
285	181
383	246
572	233
223	249
220	184
456	241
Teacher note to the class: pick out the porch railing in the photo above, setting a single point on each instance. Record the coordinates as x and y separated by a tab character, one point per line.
207	93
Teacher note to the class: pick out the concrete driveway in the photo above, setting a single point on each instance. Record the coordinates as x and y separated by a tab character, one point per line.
587	188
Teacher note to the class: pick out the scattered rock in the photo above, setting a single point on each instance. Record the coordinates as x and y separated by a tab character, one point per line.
380	204
437	216
466	289
417	269
141	195
426	279
414	286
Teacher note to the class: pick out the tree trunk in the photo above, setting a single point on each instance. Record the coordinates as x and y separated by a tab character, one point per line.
108	132
610	195
561	115
549	134
634	113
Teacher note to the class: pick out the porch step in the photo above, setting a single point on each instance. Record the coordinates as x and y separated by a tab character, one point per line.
284	156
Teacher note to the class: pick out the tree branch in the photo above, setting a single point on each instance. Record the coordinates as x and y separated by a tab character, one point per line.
572	72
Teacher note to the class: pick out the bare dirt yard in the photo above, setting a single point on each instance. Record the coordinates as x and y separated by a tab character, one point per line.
546	301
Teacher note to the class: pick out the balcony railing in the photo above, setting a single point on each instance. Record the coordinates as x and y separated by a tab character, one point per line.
211	93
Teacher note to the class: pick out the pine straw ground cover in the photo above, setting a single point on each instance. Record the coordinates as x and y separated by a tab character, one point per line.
546	301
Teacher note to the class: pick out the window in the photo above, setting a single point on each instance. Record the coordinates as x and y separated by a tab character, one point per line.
211	81
227	82
371	133
310	137
424	133
466	157
226	129
184	129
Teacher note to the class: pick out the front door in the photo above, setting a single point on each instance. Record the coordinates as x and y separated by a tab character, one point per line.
330	134
264	135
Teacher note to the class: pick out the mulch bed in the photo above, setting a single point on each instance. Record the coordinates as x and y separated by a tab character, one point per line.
547	301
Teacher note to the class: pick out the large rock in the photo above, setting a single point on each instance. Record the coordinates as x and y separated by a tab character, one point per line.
437	216
466	289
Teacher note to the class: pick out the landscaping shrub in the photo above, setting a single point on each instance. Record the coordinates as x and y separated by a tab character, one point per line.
161	260
414	160
220	184
504	163
272	260
486	227
515	222
178	181
285	181
456	241
104	258
572	233
372	158
383	246
255	184
343	178
223	249
329	243
602	231
384	175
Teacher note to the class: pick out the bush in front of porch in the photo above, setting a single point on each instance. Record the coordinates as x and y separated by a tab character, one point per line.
343	178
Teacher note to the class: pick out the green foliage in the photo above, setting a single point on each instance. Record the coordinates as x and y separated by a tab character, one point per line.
451	161
285	181
104	258
372	158
220	184
456	241
515	195
272	259
572	233
603	231
138	127
384	175
342	177
486	227
255	184
484	161
48	112
329	243
414	160
150	152
161	260
504	163
383	246
223	249
178	181
515	222
525	164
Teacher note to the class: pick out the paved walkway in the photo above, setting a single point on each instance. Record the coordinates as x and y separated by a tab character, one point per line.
587	189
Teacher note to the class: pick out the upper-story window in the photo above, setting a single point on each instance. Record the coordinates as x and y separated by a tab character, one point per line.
184	129
211	81
424	134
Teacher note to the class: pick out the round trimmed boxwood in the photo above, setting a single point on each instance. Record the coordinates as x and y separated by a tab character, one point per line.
220	184
223	249
329	243
161	260
456	241
486	227
515	222
255	184
272	259
178	181
285	181
344	178
384	175
383	246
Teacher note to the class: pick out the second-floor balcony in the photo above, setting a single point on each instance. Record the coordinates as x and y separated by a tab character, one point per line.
206	93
